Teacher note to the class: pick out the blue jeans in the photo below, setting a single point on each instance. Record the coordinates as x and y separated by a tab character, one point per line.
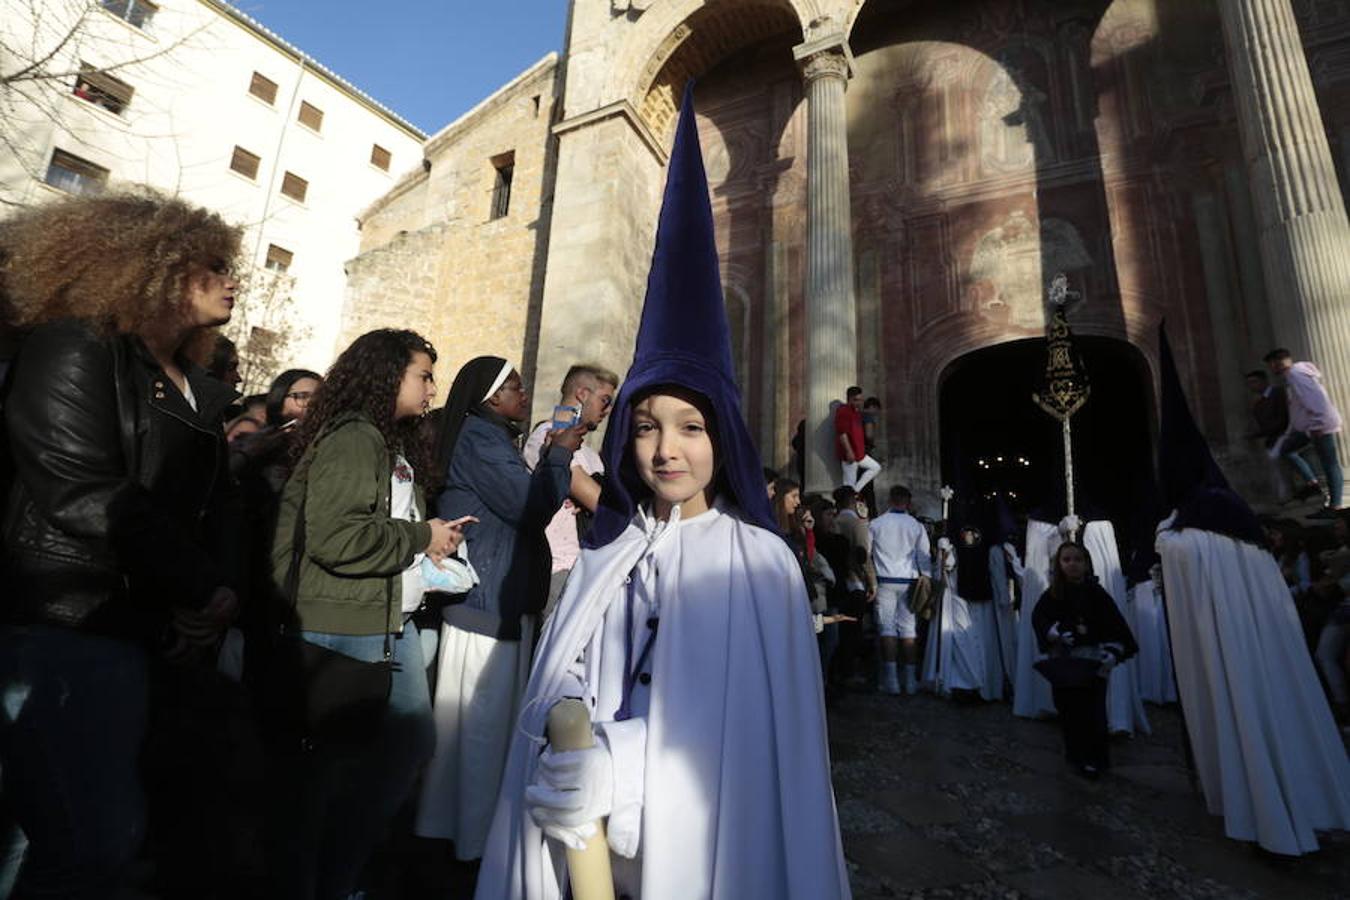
73	710
1324	445
334	804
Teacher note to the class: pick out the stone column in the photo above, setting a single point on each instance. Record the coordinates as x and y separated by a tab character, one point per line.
1223	318
831	318
1301	219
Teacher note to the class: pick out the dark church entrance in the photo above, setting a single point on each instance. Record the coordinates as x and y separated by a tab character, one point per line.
997	442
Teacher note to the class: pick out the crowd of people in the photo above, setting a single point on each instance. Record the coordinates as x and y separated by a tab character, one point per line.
261	646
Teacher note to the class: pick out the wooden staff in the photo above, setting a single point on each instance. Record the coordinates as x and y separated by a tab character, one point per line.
569	728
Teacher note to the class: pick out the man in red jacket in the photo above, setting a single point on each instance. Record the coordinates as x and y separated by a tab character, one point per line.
859	468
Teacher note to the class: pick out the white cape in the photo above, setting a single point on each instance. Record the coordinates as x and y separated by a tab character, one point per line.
1124	708
734	798
1157	684
1005	618
953	658
1270	759
1031	693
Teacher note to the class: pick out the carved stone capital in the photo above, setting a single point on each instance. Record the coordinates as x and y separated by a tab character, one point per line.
830	63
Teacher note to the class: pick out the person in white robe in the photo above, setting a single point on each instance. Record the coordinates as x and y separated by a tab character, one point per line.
953	658
1125	711
685	629
1157	683
1005	570
1267	752
1031	693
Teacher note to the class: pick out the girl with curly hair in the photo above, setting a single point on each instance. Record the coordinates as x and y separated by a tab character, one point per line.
355	501
120	526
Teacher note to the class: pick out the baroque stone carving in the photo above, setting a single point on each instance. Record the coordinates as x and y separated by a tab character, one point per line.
1012	129
825	64
1008	265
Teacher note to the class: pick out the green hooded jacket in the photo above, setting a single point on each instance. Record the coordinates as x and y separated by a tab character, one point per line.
355	551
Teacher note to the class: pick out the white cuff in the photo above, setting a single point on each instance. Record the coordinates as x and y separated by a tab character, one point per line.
628	750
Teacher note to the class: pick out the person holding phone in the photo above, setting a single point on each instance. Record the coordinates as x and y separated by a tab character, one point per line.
487	636
587	395
355	497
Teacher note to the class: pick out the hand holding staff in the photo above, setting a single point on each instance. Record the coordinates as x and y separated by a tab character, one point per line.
569	728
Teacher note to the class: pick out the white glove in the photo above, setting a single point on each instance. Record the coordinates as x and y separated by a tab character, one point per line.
572	790
1070	525
1109	662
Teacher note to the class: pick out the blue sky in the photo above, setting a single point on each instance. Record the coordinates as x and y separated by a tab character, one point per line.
427	60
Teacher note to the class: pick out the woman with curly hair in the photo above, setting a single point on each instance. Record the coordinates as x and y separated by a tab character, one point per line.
120	526
355	501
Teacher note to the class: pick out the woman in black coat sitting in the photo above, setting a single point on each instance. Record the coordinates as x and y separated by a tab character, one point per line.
1078	625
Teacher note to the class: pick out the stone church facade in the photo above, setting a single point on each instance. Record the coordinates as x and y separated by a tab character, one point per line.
894	183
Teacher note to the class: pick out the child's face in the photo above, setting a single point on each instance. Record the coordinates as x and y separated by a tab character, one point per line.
1073	564
673	452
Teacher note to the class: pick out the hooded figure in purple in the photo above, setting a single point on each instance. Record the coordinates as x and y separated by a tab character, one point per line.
1267	752
685	629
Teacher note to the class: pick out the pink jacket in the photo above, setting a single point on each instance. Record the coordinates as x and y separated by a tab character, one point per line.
1310	409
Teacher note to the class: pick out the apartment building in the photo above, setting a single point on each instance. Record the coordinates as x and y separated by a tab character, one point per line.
196	98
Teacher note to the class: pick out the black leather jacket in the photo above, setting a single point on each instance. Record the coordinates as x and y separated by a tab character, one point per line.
121	507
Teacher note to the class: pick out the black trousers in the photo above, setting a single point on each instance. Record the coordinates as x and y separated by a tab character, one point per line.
1082	713
848	660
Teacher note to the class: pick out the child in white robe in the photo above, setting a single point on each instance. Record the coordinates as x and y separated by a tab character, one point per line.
685	629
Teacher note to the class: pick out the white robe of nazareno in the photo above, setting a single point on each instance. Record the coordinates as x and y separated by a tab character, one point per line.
1031	693
1005	617
953	658
1124	708
1269	757
722	778
1157	684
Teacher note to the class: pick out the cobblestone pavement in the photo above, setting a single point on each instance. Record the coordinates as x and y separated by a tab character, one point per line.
939	799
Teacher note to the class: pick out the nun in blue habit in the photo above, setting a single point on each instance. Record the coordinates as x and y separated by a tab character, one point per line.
1267	752
685	628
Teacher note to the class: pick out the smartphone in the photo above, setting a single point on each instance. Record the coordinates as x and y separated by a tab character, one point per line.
565	417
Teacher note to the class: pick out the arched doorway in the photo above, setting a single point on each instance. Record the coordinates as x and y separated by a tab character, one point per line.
995	440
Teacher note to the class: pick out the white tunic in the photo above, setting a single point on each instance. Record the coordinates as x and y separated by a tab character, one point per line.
1269	757
1157	684
1005	618
1124	708
953	658
1031	692
722	788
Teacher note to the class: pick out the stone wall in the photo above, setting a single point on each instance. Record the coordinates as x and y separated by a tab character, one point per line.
397	285
435	258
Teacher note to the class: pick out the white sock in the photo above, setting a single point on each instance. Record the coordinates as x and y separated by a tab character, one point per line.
888	671
909	672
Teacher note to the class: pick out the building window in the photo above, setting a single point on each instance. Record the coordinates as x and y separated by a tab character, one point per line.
101	89
311	116
380	157
294	186
69	173
278	258
136	12
505	166
264	88
245	163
